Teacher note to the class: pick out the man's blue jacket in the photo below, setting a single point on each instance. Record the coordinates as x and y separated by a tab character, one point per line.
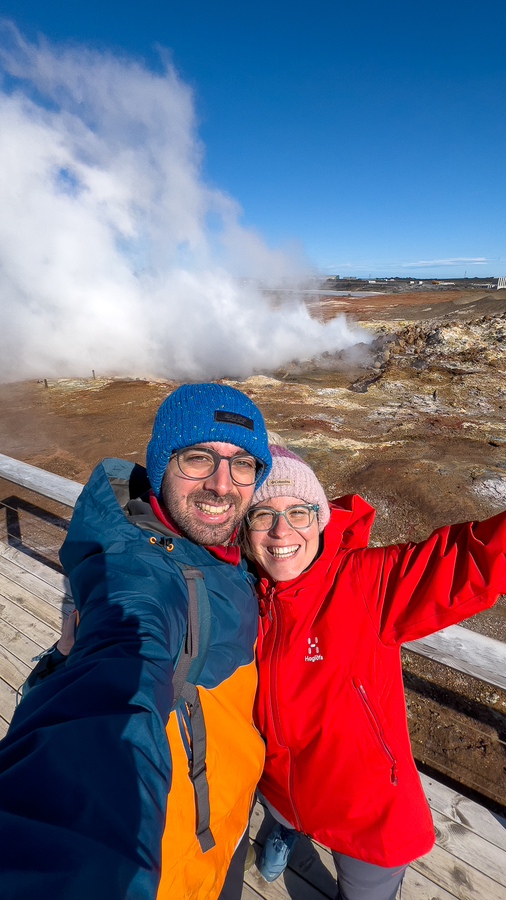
95	800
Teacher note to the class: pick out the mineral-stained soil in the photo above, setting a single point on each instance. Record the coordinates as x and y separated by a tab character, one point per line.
415	421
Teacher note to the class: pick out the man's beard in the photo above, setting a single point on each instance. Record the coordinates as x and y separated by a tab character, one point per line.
209	535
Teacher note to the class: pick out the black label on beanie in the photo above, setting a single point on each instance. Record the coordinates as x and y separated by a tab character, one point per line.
221	415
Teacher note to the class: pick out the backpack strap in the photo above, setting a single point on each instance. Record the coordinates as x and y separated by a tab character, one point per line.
197	767
188	667
190	646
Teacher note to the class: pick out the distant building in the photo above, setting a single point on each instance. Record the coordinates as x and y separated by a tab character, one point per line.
501	282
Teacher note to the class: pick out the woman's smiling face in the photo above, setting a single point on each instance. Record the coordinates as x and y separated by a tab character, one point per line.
284	552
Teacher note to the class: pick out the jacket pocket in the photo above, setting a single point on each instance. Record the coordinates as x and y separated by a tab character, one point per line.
376	725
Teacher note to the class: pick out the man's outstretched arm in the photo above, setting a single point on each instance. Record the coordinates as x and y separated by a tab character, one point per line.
85	766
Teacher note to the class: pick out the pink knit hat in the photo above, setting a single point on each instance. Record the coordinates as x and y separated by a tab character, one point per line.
291	477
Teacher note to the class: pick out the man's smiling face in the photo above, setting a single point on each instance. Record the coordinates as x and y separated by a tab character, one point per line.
209	510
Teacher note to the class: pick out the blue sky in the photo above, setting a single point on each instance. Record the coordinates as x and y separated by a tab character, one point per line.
371	135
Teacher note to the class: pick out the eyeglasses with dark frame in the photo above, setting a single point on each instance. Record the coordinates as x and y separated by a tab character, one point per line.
299	517
198	463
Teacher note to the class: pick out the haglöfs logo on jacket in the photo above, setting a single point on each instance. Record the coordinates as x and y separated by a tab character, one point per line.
313	650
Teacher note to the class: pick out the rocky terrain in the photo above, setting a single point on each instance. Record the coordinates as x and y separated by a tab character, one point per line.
415	421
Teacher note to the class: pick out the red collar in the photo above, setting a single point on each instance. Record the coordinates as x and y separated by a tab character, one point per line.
229	553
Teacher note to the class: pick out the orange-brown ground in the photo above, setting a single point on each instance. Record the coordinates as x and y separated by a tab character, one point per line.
417	424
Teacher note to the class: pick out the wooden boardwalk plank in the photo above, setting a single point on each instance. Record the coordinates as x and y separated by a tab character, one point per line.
12	670
289	887
414	887
29	564
32	583
7	701
310	860
38	632
471	848
249	894
458	877
490	826
463	865
18	644
27	601
467	863
417	887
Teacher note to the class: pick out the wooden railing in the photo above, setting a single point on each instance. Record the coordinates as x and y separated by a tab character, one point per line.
38	480
455	646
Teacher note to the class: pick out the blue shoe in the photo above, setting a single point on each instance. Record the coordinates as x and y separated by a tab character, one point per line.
278	849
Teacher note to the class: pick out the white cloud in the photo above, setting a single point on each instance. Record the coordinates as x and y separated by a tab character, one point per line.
392	267
107	257
452	261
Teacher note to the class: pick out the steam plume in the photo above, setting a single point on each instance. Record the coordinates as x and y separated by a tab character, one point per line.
114	254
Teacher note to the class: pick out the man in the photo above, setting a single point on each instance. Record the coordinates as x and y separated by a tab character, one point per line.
100	796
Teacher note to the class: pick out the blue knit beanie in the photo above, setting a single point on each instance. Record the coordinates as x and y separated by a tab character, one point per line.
198	413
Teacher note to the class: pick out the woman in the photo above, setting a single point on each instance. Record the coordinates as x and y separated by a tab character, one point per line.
330	704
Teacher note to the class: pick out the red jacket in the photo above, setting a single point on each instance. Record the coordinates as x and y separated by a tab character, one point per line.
330	702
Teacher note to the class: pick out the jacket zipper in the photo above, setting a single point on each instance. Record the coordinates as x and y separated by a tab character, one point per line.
362	693
277	621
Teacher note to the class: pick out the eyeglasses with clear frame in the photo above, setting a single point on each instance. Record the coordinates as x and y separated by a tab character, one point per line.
198	463
299	517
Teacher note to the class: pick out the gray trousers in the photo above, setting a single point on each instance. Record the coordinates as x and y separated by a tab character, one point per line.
358	880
